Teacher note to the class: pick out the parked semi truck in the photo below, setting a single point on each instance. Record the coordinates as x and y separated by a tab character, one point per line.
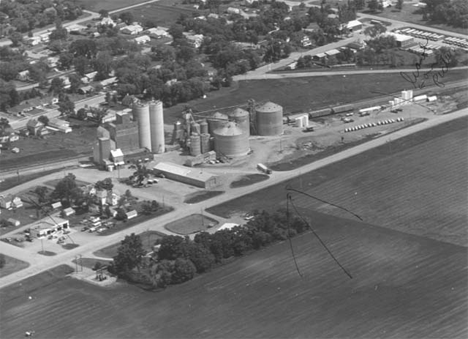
264	169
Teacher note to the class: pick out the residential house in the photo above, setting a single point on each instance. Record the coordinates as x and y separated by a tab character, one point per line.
142	39
53	61
130	100
23	75
112	198
86	89
90	76
131	214
68	211
157	33
101	197
109	81
107	22
34	127
9	202
194	39
131	29
56	205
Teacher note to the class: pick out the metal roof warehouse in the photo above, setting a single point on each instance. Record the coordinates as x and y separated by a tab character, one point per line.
191	176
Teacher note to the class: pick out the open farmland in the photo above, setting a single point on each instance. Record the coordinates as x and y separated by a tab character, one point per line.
161	15
416	184
108	5
306	94
403	286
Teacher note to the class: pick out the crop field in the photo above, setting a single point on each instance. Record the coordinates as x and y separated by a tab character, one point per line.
249	179
108	5
164	16
197	197
306	94
416	184
403	286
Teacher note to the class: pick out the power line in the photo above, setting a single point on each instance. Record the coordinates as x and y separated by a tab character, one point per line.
288	196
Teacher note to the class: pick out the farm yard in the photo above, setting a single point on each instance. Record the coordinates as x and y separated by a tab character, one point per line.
402	286
415	185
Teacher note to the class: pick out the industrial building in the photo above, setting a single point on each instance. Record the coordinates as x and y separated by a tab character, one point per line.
190	176
231	141
269	119
123	133
48	226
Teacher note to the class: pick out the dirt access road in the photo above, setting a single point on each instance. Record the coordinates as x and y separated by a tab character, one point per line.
180	212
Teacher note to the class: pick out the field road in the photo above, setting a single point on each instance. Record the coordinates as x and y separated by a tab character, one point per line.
158	223
132	6
284	75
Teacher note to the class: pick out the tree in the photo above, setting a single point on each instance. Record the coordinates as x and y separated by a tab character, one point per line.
102	65
399	5
66	106
103	13
126	17
373	5
66	189
65	60
81	65
56	86
184	270
81	114
360	4
44	119
105	184
41	192
59	33
83	47
16	38
129	255
172	247
75	82
201	257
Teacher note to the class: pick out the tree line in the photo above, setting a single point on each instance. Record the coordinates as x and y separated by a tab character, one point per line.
180	259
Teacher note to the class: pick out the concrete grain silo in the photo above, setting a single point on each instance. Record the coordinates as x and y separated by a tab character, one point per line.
205	143
157	127
195	127
242	118
269	119
231	141
144	129
195	148
217	121
203	127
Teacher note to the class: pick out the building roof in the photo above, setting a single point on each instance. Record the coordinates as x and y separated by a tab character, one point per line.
34	123
269	107
117	153
230	129
183	171
332	52
142	38
48	222
219	116
227	226
401	37
353	23
239	112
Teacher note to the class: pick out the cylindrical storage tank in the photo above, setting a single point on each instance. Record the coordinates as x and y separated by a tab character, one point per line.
195	128
231	141
305	120
203	127
298	122
157	127
144	130
242	118
205	143
195	144
269	119
217	121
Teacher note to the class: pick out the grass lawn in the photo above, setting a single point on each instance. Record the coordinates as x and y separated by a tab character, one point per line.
53	147
90	262
54	182
147	238
192	224
392	185
197	197
12	265
403	286
250	179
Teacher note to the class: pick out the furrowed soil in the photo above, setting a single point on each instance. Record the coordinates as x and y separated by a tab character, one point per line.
416	184
403	286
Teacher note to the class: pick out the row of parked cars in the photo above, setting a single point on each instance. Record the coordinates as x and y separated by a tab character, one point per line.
463	43
420	34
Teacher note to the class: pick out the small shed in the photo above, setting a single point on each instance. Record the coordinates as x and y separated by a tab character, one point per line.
13	222
68	211
56	205
131	214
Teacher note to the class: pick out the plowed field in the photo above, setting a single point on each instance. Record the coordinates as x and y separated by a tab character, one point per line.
403	286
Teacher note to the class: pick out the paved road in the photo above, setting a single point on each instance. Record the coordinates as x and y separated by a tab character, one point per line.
86	249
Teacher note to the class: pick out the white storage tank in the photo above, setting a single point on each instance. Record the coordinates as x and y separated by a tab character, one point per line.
157	127
203	127
269	119
231	141
205	143
242	118
298	122
305	120
144	130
